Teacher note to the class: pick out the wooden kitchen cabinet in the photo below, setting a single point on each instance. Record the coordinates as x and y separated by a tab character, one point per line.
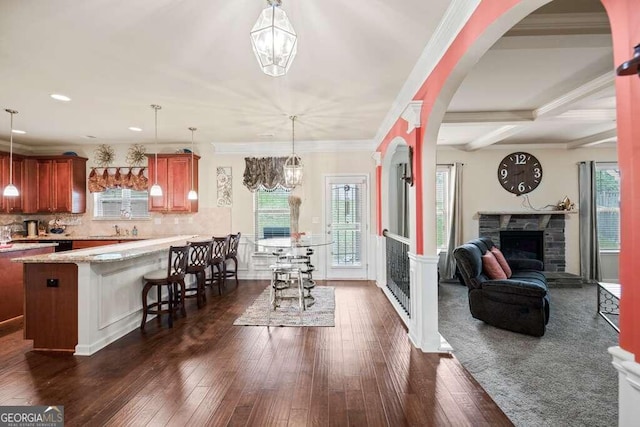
58	183
12	204
174	176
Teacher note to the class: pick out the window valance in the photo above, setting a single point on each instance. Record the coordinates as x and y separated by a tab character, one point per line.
101	179
264	172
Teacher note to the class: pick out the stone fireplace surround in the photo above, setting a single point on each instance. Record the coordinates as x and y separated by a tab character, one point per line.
552	223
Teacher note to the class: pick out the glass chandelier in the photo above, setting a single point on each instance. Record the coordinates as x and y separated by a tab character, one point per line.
293	169
11	190
156	190
274	40
193	195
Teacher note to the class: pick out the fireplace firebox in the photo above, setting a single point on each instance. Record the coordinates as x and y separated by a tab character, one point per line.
548	225
522	244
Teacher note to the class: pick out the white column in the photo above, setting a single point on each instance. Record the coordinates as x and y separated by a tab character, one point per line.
423	324
628	386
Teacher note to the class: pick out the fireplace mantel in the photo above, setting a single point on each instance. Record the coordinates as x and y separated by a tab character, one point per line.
543	216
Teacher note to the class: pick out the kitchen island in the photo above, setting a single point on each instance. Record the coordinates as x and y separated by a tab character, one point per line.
12	295
82	300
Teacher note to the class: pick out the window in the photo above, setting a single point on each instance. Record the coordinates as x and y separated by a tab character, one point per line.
121	203
608	205
443	173
271	213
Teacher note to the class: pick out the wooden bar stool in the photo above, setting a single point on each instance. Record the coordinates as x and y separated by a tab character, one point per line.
217	263
232	254
199	260
171	277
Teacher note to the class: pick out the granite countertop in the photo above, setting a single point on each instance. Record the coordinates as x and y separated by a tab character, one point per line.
14	247
110	253
83	237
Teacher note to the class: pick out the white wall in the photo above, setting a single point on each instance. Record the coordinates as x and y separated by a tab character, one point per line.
482	191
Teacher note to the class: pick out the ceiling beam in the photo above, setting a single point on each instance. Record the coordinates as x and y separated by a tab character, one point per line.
564	102
590	141
554	41
488	117
493	137
538	24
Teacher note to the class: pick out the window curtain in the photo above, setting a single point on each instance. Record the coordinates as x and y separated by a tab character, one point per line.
265	173
117	178
455	220
590	267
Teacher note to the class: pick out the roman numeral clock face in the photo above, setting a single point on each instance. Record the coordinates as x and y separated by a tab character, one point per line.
520	173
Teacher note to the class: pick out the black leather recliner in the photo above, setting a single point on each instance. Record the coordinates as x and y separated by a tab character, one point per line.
519	304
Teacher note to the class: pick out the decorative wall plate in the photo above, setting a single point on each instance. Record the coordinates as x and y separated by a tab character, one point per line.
104	155
136	155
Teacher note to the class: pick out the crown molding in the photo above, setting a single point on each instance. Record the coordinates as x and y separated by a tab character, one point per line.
284	148
411	115
17	147
456	15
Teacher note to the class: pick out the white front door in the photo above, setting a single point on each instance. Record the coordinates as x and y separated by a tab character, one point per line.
346	219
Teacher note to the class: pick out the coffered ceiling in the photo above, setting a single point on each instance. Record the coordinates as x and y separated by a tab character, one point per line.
548	81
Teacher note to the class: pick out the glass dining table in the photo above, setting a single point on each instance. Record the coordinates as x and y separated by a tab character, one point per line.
304	241
292	267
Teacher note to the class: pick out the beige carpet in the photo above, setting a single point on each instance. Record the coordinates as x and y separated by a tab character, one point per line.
320	313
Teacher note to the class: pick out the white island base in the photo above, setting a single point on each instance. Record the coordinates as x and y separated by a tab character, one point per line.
83	300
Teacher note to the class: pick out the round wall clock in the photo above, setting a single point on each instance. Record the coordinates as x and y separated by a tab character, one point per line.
520	173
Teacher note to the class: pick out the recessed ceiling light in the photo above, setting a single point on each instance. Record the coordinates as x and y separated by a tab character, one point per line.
135	129
21	132
59	97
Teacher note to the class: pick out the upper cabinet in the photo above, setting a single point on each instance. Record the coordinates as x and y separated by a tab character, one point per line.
174	177
58	184
47	184
12	204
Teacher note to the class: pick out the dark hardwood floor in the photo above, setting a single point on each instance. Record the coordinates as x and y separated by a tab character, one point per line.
205	371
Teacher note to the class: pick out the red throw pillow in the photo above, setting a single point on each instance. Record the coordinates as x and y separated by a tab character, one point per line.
491	267
502	261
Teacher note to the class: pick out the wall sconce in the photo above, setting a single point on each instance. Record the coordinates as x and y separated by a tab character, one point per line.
631	66
408	177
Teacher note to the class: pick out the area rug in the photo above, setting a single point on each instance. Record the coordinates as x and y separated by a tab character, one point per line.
320	313
564	378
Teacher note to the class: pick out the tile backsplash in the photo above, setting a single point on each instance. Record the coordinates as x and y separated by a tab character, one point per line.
206	222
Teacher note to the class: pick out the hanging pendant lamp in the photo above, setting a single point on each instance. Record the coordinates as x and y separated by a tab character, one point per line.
156	190
11	190
193	195
274	40
293	169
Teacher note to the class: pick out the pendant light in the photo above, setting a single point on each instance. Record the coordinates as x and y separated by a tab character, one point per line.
156	190
293	165
274	40
11	190
193	195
